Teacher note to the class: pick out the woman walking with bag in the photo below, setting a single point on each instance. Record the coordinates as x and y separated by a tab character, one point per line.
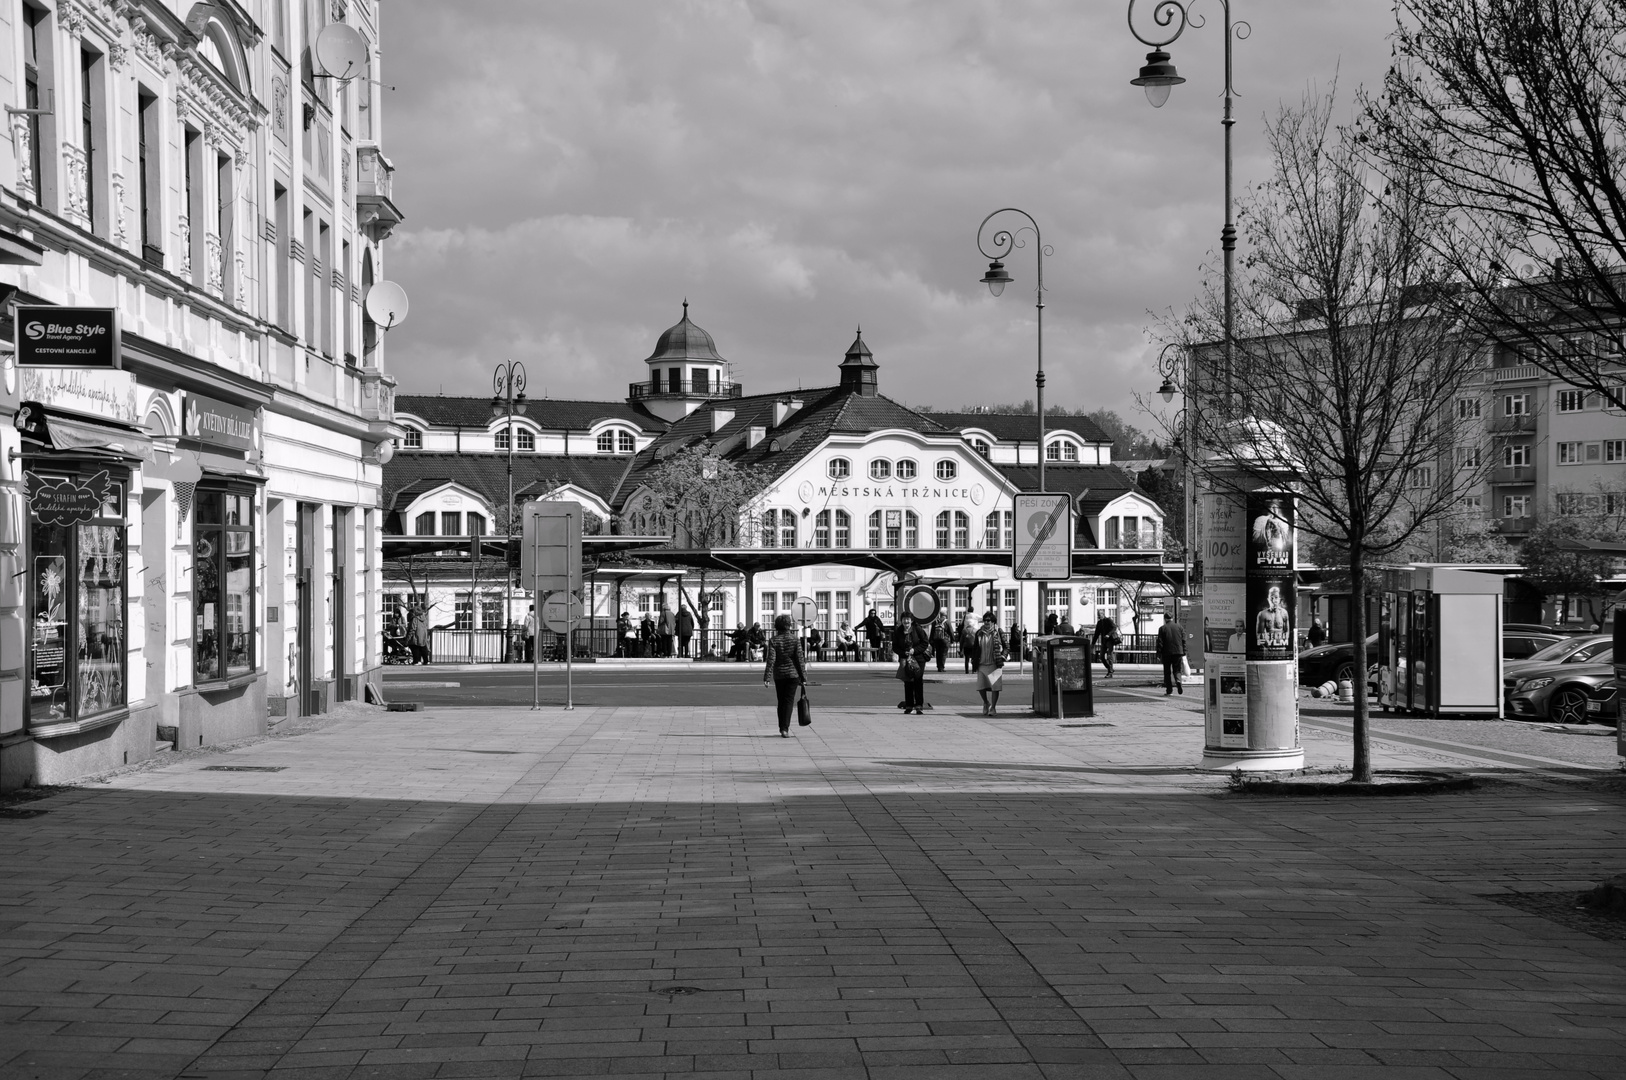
912	646
990	663
784	666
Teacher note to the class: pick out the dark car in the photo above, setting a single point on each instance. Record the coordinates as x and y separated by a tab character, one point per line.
1333	663
1604	706
1560	692
1523	644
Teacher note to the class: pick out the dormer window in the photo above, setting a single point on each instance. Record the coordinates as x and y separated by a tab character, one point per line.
880	469
501	439
606	442
413	439
1061	450
527	439
980	446
625	442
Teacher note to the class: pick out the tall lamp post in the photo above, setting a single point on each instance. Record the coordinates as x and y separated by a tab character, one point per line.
1158	77
999	245
507	399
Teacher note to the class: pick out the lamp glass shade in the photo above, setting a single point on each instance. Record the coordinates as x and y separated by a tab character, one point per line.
496	406
1158	95
996	278
1167	391
996	287
520	404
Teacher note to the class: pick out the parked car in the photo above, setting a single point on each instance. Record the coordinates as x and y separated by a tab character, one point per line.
1575	650
1560	692
1604	706
1523	644
1332	663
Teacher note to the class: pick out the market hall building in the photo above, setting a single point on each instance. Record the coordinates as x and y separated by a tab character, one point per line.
189	533
857	491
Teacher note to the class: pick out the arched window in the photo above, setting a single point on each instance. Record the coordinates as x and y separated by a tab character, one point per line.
962	529
990	531
424	524
787	528
477	524
997	530
606	442
413	439
625	442
943	529
501	439
907	469
980	446
1061	450
911	529
948	469
840	468
844	529
527	439
770	528
821	529
875	529
1069	451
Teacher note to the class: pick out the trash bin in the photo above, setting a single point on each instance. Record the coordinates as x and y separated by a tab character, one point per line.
1061	676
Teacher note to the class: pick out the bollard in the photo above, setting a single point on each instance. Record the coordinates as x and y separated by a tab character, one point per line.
1346	691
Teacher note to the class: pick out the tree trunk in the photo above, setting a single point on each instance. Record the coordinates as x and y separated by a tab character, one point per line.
1357	603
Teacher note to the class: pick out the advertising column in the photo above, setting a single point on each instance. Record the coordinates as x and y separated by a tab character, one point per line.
1250	678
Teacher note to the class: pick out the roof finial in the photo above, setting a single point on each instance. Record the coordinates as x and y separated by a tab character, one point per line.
685	307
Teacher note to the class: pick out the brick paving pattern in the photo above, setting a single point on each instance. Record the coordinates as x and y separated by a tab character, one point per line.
645	892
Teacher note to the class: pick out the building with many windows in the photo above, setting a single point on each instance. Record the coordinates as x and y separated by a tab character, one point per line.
191	534
855	492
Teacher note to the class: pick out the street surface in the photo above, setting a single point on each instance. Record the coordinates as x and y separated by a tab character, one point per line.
670	889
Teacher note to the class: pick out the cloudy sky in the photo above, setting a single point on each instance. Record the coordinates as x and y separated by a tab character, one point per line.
570	171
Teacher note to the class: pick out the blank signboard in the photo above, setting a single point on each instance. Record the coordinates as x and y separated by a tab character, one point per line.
1470	653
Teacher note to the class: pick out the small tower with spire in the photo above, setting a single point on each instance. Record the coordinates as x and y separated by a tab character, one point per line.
684	371
858	368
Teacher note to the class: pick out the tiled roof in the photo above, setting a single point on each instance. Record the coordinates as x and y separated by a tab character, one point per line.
1022	427
549	414
411	473
825	411
1092	486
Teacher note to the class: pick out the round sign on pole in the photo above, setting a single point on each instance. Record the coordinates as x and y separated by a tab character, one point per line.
805	609
921	603
561	613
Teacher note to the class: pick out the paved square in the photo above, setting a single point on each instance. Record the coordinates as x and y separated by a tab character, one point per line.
678	891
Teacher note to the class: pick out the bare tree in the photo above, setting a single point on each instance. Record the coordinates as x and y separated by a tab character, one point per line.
702	501
1345	365
1515	110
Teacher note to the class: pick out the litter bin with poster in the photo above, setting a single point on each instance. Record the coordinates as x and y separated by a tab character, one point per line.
1061	676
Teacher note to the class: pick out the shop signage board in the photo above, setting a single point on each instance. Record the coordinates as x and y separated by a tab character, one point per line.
67	337
104	394
64	500
217	422
1043	537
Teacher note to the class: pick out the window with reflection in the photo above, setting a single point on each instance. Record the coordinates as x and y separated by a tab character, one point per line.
76	591
911	529
223	607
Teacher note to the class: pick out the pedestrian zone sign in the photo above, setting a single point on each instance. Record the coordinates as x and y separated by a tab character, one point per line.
1043	537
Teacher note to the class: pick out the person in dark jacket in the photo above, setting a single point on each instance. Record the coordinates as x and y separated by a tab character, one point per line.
1171	650
785	669
910	642
873	630
1318	633
940	639
1051	621
685	631
1105	640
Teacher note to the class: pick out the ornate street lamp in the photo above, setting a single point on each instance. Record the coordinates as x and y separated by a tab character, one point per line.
508	398
1157	78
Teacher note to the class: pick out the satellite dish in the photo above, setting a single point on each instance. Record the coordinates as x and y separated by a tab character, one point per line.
386	304
341	52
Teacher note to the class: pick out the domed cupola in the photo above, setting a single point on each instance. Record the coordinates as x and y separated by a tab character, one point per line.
684	371
858	368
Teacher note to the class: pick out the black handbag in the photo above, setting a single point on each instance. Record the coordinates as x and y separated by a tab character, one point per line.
804	710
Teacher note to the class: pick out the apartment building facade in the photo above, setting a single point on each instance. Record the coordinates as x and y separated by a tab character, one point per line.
194	169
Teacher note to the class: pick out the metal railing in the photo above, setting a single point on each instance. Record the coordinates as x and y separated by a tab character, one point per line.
685	388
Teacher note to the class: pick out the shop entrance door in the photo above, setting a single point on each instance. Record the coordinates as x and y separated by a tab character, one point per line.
342	633
307	561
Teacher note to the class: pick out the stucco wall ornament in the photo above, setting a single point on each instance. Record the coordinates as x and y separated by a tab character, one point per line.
117	211
22	142
75	166
148	47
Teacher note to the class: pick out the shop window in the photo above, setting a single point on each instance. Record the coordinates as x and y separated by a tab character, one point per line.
76	589
223	607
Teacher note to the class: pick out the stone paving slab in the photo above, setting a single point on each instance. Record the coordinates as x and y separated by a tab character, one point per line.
679	892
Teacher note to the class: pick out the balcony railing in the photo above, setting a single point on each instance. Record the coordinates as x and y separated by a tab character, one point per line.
376	211
685	388
1515	373
1513	425
1514	474
1515	526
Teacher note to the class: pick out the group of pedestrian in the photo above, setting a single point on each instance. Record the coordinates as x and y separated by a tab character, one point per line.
407	629
659	634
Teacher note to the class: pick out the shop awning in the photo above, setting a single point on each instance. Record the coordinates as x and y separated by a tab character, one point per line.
73	433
